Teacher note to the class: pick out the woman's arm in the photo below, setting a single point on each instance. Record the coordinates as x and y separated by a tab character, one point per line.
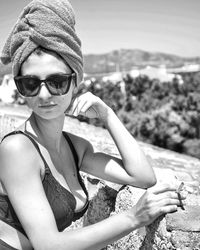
20	171
134	168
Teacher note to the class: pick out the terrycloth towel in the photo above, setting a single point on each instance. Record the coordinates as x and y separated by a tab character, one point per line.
49	24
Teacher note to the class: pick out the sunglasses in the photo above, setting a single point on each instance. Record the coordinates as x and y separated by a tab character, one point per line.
57	84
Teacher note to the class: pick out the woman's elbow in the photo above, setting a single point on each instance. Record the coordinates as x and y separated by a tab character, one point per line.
147	181
151	181
144	183
149	177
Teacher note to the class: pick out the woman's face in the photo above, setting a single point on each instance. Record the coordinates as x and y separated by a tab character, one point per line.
44	104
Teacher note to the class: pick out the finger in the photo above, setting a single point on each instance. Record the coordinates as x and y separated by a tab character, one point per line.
161	210
161	188
170	195
168	202
69	109
74	106
77	106
80	105
89	111
86	106
168	209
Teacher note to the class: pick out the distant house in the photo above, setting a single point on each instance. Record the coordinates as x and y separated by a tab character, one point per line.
135	72
160	73
187	68
7	89
113	77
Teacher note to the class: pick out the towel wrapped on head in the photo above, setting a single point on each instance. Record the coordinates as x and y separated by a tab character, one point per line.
48	24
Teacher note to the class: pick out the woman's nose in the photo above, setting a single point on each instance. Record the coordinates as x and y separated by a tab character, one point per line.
44	92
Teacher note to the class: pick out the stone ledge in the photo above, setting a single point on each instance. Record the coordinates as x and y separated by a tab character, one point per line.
187	220
179	230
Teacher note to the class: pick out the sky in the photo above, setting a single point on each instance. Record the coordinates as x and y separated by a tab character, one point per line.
169	26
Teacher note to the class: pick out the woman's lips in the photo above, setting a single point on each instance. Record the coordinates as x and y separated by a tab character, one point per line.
47	106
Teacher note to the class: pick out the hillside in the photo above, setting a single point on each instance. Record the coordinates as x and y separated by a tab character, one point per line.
124	60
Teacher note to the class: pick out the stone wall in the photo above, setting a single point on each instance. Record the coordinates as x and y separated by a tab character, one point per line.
180	230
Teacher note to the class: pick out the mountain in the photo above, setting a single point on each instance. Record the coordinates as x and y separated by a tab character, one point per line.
124	60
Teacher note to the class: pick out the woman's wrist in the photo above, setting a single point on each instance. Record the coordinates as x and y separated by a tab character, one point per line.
108	116
134	221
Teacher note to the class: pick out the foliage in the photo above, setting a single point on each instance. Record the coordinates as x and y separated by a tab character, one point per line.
166	114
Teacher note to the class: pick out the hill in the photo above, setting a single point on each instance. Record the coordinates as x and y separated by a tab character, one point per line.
124	60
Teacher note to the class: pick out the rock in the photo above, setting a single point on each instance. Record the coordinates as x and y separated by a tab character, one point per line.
187	220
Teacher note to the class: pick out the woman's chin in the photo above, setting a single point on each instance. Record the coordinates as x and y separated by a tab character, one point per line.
48	114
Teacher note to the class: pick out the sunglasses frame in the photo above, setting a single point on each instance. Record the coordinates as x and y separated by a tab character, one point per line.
45	81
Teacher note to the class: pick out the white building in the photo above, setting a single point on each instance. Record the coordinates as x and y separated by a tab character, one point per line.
113	77
187	68
7	89
160	73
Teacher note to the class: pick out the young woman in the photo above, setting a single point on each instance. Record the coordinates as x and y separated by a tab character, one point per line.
41	188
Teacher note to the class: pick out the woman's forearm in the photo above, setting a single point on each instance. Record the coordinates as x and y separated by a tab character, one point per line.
134	159
93	237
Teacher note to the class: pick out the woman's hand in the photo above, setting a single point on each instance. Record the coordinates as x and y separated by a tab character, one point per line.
158	200
90	106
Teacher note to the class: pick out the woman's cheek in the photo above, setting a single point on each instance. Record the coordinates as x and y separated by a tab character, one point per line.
30	103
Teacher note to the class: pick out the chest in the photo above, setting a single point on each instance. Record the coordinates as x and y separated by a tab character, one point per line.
65	172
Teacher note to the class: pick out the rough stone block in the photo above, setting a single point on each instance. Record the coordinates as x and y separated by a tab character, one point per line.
185	240
187	220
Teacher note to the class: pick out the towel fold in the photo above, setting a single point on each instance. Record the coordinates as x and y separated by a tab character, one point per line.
49	24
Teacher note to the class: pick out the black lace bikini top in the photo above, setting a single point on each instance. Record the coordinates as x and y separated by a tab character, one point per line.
62	202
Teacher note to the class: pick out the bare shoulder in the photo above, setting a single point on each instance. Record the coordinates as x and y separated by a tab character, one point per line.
16	153
16	143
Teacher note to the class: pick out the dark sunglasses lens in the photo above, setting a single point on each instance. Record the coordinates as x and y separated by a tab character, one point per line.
27	86
59	85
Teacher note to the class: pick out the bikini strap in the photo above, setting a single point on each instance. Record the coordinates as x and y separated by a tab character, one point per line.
71	145
47	170
74	152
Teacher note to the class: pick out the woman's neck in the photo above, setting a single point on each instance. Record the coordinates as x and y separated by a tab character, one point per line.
48	132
